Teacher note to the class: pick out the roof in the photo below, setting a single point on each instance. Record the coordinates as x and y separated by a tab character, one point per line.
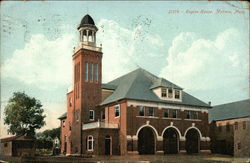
161	82
63	116
18	137
86	20
109	86
138	85
231	110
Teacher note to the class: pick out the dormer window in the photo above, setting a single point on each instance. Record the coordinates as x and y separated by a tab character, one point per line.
163	92
170	93
177	94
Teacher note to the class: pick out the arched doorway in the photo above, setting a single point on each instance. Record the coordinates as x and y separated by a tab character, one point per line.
170	141
192	141
108	145
146	141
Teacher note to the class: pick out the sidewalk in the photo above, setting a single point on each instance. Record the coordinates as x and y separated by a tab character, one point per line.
174	158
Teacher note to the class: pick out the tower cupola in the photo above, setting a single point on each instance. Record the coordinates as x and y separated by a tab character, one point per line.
87	30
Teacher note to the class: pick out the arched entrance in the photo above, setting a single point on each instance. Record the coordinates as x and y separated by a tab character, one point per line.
170	141
108	145
146	141
192	141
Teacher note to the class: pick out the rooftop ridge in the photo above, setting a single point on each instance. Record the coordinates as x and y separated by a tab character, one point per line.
233	102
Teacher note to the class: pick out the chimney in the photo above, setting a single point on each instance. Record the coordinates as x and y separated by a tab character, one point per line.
209	103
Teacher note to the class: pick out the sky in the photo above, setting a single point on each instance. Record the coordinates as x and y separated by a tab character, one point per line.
201	46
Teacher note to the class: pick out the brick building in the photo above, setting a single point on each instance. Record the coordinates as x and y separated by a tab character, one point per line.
135	113
230	128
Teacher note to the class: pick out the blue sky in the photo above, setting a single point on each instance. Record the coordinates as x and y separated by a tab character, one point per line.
207	54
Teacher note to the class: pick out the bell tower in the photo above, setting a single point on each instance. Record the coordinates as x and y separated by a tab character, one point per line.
87	30
87	79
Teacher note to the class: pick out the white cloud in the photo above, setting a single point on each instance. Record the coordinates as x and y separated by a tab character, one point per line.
43	63
201	64
47	64
117	49
120	47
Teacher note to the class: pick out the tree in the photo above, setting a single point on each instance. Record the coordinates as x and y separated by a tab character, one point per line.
53	133
46	138
23	114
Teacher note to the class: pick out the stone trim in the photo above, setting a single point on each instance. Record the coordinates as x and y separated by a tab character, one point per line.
147	117
129	137
161	106
192	119
159	138
171	118
159	152
147	125
193	127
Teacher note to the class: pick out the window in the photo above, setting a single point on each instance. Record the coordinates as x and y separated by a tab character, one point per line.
142	111
90	143
70	101
77	115
86	71
92	72
189	114
5	144
91	115
151	111
228	127
196	115
239	145
244	125
166	113
75	73
96	72
170	93
117	110
69	126
163	92
174	113
103	114
63	123
236	125
177	94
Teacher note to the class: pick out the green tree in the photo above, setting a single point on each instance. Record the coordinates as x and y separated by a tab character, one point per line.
23	114
53	133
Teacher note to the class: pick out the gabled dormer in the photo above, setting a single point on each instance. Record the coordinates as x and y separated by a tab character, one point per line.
166	90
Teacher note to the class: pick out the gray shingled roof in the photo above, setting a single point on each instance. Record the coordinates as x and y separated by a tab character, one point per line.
230	110
109	86
63	116
161	82
138	85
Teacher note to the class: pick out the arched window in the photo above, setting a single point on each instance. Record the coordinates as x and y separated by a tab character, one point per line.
90	143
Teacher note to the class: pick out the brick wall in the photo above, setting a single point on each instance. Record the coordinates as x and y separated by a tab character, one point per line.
229	138
135	122
99	135
242	139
